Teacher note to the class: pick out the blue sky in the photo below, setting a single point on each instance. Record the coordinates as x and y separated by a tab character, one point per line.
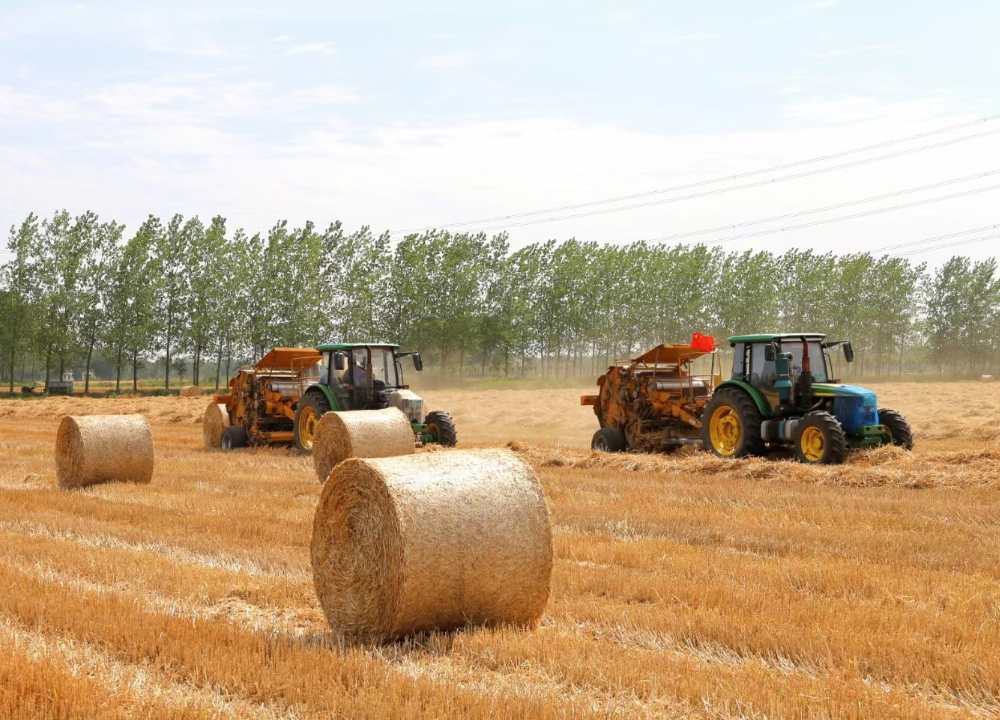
402	115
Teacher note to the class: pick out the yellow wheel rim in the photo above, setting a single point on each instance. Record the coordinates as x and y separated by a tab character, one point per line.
812	444
725	430
308	421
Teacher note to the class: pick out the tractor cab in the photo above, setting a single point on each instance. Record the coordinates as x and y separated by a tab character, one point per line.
368	376
783	392
362	376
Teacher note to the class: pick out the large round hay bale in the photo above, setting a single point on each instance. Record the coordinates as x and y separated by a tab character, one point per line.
360	433
432	541
103	448
190	391
986	378
214	423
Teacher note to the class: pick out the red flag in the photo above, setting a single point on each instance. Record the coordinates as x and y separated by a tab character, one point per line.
705	343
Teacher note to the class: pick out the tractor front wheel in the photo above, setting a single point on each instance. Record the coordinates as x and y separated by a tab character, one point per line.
609	439
820	440
730	426
310	409
899	430
442	427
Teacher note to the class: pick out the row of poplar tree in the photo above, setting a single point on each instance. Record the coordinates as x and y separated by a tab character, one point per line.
184	290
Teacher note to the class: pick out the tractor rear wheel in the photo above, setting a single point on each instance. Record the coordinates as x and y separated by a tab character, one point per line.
730	426
820	439
234	437
609	439
899	430
442	426
310	409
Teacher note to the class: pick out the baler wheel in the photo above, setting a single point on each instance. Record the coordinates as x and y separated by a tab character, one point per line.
609	439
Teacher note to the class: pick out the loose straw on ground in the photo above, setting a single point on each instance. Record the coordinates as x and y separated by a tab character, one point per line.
360	433
432	541
214	423
103	448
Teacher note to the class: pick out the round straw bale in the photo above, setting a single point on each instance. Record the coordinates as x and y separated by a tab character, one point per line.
214	423
360	433
103	448
431	541
190	391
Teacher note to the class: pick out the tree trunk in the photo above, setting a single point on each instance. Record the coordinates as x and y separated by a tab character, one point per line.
135	372
118	372
86	372
48	363
12	371
218	367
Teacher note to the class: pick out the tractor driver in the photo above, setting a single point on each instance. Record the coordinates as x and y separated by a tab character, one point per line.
360	368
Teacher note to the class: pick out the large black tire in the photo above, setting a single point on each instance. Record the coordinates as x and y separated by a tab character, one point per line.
443	426
234	437
820	439
307	415
899	430
609	439
739	439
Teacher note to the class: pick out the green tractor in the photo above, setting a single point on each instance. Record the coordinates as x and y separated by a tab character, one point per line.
367	376
782	394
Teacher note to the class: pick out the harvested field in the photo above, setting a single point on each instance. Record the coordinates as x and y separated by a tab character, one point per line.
683	586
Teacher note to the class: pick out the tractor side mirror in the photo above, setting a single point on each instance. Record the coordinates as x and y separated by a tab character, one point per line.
848	352
418	362
339	361
770	352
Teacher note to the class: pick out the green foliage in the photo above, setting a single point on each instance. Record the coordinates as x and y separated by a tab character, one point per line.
183	291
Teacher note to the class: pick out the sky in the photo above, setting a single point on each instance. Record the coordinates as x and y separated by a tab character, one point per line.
401	115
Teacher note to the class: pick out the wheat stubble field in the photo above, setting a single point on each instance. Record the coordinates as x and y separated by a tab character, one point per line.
684	586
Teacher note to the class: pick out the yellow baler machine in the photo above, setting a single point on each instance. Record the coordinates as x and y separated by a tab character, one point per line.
653	402
263	397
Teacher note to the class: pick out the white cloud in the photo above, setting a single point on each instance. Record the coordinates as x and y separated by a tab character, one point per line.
847	51
174	157
317	48
814	6
448	61
281	38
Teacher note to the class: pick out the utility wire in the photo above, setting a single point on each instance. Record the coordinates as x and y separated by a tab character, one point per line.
934	239
947	245
744	186
841	218
837	206
729	178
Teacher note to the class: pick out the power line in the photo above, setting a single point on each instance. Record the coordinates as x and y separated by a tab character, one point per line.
852	216
826	208
947	245
934	239
744	186
738	176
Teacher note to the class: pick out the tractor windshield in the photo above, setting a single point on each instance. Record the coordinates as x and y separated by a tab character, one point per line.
382	368
817	361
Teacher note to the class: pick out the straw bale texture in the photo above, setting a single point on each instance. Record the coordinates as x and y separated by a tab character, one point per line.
190	391
214	423
360	433
103	448
432	541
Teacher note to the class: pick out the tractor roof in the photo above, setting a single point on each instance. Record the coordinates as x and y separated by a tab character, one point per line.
291	358
774	337
669	355
351	346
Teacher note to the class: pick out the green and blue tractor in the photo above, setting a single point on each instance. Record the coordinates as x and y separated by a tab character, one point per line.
781	394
